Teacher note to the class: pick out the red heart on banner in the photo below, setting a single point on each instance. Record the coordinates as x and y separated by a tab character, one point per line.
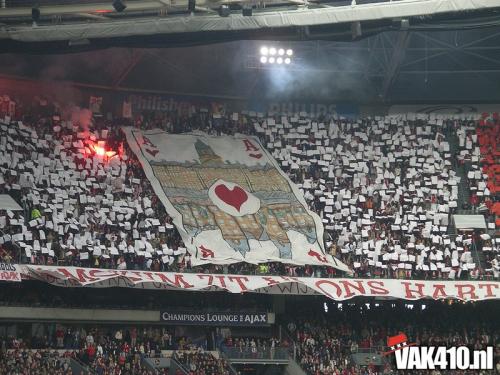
235	197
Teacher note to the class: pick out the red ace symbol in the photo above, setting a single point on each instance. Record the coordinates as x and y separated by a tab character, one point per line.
150	147
252	148
206	253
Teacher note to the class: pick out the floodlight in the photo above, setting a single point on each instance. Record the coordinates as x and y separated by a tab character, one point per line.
263	59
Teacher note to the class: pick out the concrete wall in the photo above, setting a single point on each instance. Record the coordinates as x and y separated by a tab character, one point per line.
78	315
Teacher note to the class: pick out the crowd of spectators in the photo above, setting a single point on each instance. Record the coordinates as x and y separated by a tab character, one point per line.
143	340
198	362
256	347
103	350
478	153
322	343
325	344
478	157
28	362
384	187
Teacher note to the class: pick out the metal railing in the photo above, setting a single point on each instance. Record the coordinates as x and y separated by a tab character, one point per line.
175	362
277	353
79	367
477	259
228	361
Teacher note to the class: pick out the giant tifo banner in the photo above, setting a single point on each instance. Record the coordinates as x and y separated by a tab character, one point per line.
337	289
230	200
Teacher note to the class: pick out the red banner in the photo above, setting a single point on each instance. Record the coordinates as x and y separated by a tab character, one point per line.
337	289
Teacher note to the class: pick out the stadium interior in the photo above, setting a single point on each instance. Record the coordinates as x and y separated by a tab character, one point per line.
249	187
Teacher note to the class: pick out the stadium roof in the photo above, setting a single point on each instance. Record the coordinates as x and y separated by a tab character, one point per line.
63	24
452	54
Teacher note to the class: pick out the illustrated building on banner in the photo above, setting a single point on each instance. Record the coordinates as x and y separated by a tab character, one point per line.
229	200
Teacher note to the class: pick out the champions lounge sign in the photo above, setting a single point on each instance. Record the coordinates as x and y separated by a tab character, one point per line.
215	318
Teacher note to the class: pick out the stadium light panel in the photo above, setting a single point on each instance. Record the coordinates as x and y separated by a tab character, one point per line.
275	55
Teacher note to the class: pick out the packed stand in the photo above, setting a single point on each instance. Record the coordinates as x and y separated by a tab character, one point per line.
83	206
27	362
324	345
102	350
384	187
109	350
198	362
479	153
255	347
478	156
488	131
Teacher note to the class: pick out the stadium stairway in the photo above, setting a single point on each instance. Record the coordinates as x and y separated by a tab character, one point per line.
478	256
293	368
369	356
461	169
78	367
463	194
176	366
